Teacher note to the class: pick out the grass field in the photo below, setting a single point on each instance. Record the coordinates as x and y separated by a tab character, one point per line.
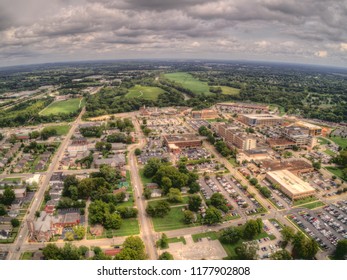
189	82
26	255
304	200
342	142
335	170
185	200
323	141
128	227
61	129
62	107
230	91
174	220
329	152
148	93
144	179
313	205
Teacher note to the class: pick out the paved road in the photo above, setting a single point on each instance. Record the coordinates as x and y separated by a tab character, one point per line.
146	231
16	249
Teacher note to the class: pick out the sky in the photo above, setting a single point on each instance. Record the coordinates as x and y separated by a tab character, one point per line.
296	31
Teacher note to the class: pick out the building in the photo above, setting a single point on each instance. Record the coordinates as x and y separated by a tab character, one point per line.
205	114
313	130
182	140
243	107
290	184
261	119
296	166
280	143
19	193
78	145
245	142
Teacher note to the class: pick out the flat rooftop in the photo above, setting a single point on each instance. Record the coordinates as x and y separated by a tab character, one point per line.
291	182
291	165
181	137
261	116
308	125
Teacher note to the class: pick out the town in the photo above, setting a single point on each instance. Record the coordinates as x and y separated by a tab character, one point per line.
230	180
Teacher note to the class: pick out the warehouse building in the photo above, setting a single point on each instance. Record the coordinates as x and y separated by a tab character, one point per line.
290	184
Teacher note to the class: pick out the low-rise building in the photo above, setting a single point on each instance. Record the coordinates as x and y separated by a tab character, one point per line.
205	114
182	140
261	119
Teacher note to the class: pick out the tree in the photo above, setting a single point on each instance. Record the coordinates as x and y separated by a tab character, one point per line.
8	196
160	209
112	221
15	222
189	217
251	229
51	252
147	192
194	202
194	187
253	181
166	183
218	201
166	256
69	180
231	235
316	165
304	248
341	250
2	210
177	178
174	195
79	232
151	167
281	255
163	242
287	233
69	236
138	152
247	251
133	249
212	216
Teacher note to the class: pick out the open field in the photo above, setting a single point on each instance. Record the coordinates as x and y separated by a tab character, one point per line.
148	93
189	82
335	170
62	107
304	200
230	90
313	205
329	152
61	129
174	220
323	141
144	179
342	142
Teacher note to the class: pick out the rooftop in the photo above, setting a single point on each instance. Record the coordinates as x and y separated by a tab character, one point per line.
290	181
181	137
261	116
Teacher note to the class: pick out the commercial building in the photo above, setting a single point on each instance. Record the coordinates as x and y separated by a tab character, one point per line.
313	130
243	107
205	114
300	135
182	140
261	119
290	184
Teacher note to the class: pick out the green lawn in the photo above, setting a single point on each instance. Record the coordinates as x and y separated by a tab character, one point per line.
61	129
189	82
26	255
313	205
128	227
304	200
184	201
230	91
233	162
174	220
148	93
211	234
63	107
342	142
323	141
335	170
177	239
329	152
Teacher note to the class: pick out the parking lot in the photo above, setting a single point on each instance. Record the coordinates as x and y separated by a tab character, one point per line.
153	149
327	226
167	126
196	124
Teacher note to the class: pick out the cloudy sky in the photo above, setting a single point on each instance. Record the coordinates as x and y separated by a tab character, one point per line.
302	31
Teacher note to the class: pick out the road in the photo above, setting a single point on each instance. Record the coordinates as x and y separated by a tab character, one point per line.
17	249
146	230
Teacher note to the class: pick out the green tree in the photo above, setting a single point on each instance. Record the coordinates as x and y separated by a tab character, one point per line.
166	256
112	221
231	235
341	250
287	233
253	181
212	216
147	192
69	236
15	222
304	248
194	202
166	183
8	196
218	201
194	187
51	252
163	242
133	249
174	195
251	229
281	255
69	180
138	152
160	209
79	231
247	251
2	210
152	166
189	217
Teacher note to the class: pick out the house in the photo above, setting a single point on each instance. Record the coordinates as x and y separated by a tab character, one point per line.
112	252
117	160
5	231
96	230
67	220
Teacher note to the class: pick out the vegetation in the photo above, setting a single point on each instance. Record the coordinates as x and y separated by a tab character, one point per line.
133	249
166	256
63	107
189	82
145	92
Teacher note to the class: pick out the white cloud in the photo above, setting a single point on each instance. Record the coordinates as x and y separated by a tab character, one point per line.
343	47
195	44
321	54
